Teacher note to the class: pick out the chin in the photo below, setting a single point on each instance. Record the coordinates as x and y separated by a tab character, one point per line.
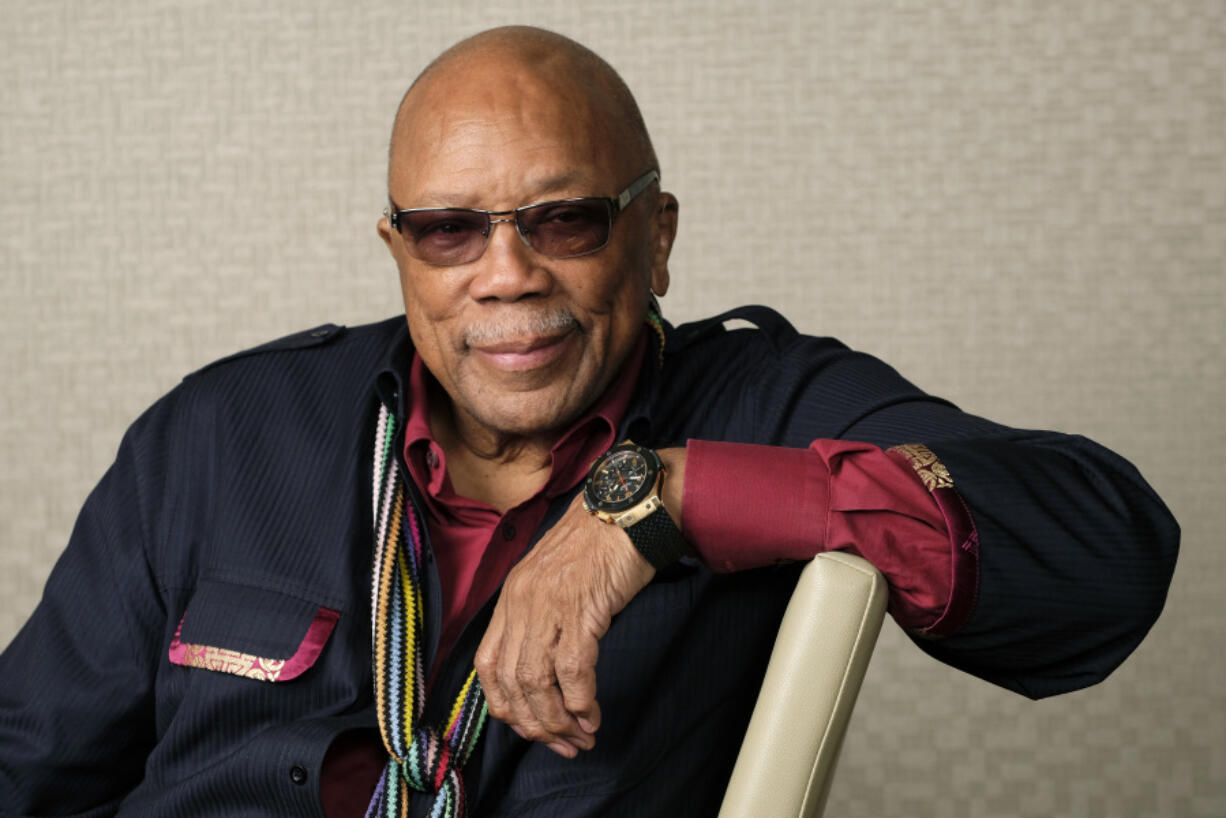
519	415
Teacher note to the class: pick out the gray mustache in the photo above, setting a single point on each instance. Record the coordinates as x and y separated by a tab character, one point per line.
519	325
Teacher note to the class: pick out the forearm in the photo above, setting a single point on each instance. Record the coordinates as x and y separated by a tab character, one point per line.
749	506
1040	560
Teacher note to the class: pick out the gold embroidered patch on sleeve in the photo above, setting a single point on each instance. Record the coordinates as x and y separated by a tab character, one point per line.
926	464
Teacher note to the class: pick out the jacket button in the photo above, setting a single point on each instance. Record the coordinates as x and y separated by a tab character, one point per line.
298	774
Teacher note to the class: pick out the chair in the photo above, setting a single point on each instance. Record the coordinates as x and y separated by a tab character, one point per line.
820	656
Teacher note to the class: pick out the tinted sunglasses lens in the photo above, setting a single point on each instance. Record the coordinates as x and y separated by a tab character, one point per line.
445	237
566	229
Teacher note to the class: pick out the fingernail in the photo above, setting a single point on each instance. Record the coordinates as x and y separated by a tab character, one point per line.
587	726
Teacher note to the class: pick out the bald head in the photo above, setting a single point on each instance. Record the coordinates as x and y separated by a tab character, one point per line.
540	68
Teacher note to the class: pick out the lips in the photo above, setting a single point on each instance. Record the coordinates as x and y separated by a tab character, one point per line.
517	354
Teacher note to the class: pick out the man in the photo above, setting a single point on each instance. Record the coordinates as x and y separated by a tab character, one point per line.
221	638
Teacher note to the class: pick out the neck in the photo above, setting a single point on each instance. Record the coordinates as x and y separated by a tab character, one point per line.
499	469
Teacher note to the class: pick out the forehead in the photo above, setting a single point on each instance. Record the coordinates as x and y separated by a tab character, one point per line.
489	134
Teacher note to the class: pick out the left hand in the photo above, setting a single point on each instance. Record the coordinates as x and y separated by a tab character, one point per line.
537	661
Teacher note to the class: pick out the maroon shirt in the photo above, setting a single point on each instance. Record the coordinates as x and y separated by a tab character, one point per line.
744	506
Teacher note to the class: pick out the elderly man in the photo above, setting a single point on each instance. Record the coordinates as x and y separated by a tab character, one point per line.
318	568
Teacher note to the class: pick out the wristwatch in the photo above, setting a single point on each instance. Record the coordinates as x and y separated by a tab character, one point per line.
623	489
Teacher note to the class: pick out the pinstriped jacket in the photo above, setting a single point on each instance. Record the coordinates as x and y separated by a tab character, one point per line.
205	635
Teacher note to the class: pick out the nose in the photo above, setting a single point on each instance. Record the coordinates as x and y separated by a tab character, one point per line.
508	270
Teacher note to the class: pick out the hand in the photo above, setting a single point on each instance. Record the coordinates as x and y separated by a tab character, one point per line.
537	661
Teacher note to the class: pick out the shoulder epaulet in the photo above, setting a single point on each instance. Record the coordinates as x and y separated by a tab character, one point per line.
773	326
314	337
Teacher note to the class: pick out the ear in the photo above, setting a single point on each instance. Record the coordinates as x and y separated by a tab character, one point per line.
665	232
384	228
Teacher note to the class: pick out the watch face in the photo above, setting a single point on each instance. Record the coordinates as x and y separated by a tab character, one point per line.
619	478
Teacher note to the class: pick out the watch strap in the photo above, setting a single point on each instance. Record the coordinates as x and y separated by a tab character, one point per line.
658	539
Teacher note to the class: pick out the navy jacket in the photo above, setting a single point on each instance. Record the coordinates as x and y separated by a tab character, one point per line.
239	506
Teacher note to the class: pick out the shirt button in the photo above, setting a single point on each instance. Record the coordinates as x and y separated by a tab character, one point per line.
298	774
320	333
431	459
508	532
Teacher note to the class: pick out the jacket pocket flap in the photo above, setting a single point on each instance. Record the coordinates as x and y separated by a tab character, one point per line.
251	632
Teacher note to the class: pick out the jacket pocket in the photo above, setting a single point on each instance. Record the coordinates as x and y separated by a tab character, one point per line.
251	632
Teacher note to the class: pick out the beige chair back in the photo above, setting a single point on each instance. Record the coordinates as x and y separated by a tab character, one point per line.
820	656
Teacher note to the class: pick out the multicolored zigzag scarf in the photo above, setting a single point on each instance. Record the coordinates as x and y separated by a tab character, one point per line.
420	757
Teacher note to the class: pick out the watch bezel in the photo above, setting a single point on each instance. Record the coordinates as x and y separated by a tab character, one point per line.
654	467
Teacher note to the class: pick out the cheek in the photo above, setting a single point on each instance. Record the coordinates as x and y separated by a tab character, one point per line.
429	295
429	307
618	287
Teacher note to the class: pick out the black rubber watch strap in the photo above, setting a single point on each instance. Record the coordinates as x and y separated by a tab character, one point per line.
658	539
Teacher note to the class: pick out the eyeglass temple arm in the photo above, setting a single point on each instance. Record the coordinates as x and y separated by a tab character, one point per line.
392	215
636	187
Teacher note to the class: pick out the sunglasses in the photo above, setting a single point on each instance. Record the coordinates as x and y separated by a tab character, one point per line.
566	228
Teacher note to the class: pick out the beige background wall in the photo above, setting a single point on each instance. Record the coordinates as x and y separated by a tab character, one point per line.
1022	205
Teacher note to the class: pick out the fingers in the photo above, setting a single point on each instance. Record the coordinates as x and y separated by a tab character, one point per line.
538	675
576	668
517	663
537	660
486	664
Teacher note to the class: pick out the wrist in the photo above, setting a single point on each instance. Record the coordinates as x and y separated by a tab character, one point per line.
626	487
673	491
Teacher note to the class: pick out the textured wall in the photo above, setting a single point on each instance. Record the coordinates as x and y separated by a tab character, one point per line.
1022	205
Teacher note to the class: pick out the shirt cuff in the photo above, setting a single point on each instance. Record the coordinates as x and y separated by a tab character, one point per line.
747	506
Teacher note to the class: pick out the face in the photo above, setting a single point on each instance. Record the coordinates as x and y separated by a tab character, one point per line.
522	343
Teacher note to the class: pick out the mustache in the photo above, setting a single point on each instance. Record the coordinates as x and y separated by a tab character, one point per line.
519	325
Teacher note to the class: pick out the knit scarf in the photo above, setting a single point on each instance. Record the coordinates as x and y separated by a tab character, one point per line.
427	759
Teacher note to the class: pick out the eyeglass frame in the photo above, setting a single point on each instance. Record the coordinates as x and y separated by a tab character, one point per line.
616	204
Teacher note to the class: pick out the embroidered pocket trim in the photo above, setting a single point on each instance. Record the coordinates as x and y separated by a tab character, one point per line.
265	669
